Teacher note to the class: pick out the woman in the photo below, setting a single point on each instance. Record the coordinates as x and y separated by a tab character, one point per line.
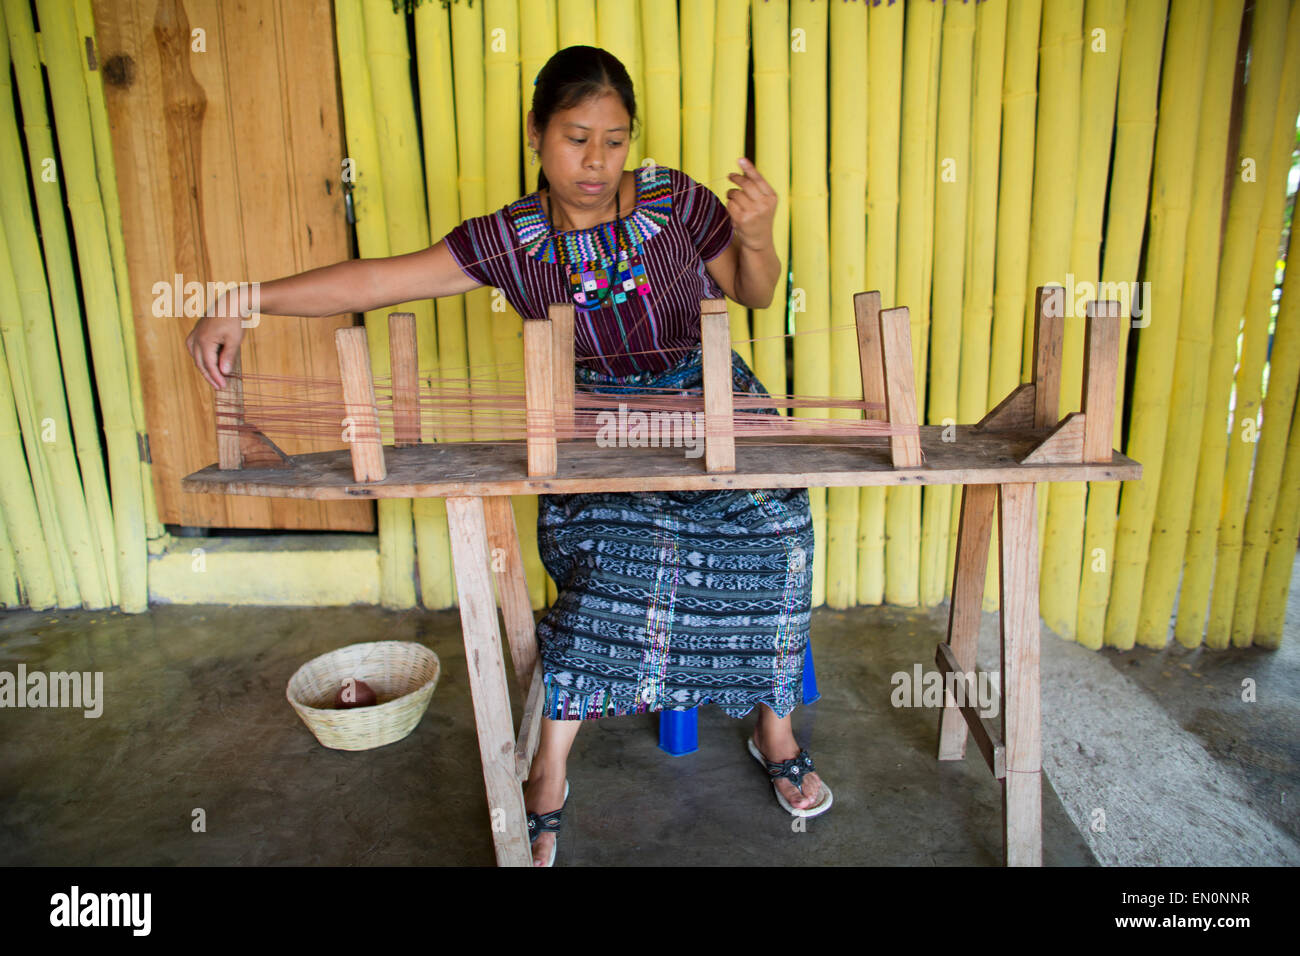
666	599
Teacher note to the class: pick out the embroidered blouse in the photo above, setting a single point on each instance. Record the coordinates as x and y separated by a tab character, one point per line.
636	284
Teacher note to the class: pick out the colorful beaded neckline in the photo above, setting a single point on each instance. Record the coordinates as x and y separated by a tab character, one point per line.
604	242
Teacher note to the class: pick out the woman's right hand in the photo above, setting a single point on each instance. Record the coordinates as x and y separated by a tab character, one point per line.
214	344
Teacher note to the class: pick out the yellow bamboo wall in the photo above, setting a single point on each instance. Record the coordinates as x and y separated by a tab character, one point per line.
960	155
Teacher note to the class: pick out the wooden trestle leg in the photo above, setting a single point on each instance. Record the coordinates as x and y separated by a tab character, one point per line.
1012	748
488	683
1022	794
974	528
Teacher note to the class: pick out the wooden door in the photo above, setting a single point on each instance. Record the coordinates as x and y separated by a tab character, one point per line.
227	138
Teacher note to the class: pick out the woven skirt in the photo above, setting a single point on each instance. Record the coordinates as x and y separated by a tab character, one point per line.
671	599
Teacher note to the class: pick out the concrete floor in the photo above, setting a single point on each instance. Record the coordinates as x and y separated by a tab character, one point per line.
195	717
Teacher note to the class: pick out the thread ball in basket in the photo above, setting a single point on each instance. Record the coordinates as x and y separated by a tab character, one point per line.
354	693
400	675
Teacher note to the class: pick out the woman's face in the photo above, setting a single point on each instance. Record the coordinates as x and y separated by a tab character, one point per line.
583	151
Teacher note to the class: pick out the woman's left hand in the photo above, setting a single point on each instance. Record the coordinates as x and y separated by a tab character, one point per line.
752	207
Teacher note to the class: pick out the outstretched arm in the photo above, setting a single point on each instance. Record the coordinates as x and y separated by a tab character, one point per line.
355	285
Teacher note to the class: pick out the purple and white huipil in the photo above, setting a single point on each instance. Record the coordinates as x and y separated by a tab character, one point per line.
636	284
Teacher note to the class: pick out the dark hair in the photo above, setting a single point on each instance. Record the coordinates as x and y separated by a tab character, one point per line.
574	75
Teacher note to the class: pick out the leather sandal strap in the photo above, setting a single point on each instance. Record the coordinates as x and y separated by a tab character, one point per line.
795	769
539	823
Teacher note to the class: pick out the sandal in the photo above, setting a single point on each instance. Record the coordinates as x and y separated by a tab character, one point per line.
795	770
539	823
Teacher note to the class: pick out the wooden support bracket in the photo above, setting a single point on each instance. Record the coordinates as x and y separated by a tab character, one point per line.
1064	444
1013	413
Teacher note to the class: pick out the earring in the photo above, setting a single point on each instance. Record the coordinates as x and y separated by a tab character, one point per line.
534	159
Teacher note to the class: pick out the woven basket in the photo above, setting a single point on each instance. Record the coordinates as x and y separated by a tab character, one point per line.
402	675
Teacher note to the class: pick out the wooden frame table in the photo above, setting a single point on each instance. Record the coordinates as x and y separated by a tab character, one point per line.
998	461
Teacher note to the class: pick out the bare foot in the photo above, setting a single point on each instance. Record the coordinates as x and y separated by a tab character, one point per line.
543	793
777	748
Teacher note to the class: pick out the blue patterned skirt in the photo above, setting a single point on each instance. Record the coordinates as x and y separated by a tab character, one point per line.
671	599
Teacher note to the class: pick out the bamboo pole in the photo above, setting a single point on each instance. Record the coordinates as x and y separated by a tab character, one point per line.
659	103
467	39
885	94
727	130
20	509
82	554
771	28
1055	173
503	106
1015	190
1062	536
809	234
443	349
1269	39
1187	48
1135	129
10	592
537	33
697	87
848	251
62	52
953	191
1279	403
1195	330
915	231
370	204
159	539
618	30
981	229
537	42
1276	583
576	22
29	393
1254	348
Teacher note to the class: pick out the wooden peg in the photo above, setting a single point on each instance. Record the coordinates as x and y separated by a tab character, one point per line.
406	384
245	447
866	311
539	396
229	407
715	339
1049	336
1100	366
362	416
563	377
900	385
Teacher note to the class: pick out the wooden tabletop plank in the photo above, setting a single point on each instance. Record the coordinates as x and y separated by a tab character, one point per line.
459	469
